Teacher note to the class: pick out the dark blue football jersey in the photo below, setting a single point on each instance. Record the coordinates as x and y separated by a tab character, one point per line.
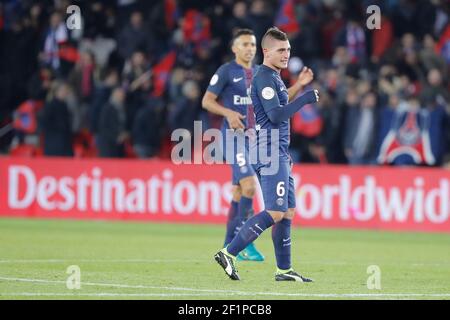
268	91
231	83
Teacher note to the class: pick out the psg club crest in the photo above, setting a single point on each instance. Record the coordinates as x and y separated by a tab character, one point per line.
409	135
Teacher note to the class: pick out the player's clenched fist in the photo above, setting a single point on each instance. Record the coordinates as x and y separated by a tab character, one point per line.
305	76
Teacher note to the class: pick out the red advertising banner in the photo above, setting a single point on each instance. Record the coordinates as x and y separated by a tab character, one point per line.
416	199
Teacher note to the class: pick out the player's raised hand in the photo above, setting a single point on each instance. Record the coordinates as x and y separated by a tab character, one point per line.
305	76
234	120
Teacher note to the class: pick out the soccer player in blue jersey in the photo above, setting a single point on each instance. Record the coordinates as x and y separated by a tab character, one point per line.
228	95
273	111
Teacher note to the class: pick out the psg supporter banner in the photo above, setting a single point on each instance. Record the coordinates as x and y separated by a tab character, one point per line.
327	196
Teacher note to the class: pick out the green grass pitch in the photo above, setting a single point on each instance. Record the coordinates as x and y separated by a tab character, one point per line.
127	260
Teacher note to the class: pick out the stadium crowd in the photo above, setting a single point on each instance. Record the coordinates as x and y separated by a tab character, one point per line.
137	70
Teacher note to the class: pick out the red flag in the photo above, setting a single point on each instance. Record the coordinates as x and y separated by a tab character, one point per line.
69	53
171	13
161	73
25	116
196	26
285	19
443	46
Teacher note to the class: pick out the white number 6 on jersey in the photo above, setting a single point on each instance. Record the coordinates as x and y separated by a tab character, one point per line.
280	189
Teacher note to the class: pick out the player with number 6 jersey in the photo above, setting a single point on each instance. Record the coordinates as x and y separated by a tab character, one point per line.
273	111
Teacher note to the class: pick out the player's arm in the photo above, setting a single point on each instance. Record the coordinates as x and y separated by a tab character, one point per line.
209	102
275	111
304	78
283	113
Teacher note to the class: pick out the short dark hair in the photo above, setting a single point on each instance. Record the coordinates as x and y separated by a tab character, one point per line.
241	32
274	33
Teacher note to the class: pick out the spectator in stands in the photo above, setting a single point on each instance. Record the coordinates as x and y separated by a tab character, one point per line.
239	18
353	38
147	128
56	123
56	35
101	95
133	36
430	58
410	66
98	20
259	17
360	129
82	77
40	83
185	111
331	135
137	77
112	132
434	89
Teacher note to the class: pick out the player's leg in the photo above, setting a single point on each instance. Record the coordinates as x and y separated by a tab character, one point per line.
244	185
249	232
274	188
248	187
276	205
244	175
233	223
281	237
281	231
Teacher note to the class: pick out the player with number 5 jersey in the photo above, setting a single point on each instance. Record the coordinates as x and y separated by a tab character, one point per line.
228	95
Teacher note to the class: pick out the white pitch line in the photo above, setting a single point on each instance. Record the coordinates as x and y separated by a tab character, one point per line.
101	294
99	260
307	295
210	292
75	260
114	285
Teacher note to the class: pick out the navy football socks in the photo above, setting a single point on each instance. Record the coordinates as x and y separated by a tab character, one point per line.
249	232
233	222
245	206
238	214
281	236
